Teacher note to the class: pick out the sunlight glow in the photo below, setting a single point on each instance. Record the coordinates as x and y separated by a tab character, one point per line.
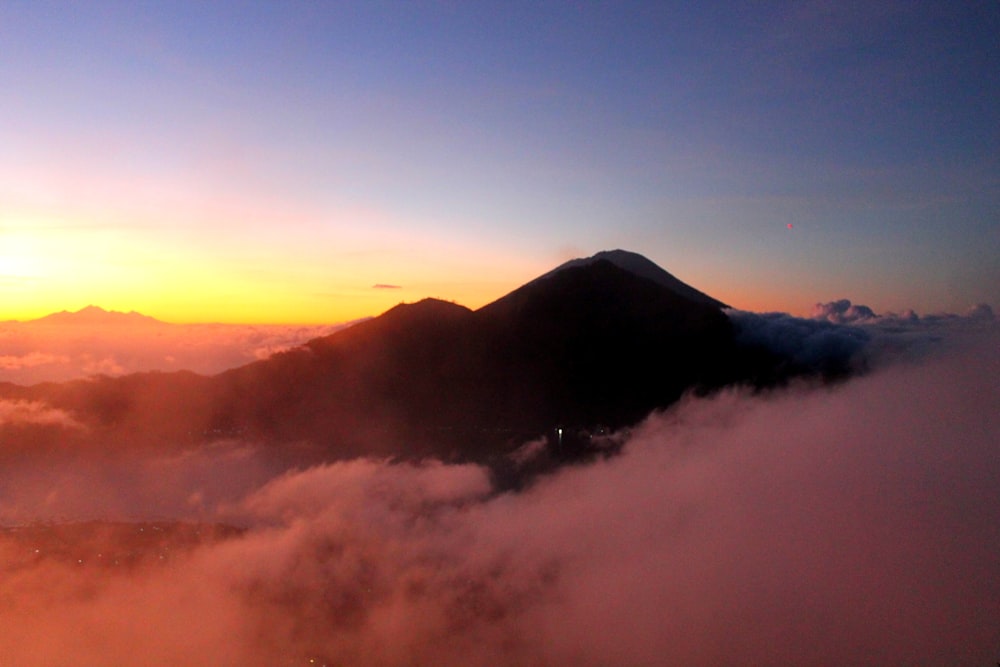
13	266
20	256
201	270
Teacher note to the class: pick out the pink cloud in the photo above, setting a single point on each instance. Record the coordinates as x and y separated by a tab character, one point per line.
19	413
30	360
106	366
847	525
54	353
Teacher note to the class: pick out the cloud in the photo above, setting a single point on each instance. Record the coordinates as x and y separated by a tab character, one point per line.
845	312
981	312
265	351
841	336
528	452
121	484
37	353
385	286
848	525
21	413
815	344
30	360
106	366
842	312
354	488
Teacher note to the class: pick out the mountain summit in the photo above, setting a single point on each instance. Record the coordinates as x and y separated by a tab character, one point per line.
596	343
637	264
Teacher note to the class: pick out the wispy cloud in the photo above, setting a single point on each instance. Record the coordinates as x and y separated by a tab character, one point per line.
20	413
37	352
30	360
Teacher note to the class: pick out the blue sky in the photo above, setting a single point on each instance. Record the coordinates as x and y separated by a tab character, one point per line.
256	159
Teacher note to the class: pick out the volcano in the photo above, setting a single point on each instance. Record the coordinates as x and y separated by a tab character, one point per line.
595	344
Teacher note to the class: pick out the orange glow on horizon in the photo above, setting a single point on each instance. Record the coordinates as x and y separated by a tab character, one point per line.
203	298
184	277
47	268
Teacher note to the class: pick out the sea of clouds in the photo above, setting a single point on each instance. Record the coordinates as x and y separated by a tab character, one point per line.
34	352
855	523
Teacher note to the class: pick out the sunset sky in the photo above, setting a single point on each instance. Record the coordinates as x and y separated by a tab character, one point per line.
318	162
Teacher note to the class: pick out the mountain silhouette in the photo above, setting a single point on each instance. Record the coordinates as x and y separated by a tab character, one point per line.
640	266
590	345
95	316
594	344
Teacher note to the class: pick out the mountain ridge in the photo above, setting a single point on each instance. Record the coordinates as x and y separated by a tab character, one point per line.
96	316
589	346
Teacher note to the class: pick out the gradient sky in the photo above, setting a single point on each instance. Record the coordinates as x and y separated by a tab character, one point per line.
273	162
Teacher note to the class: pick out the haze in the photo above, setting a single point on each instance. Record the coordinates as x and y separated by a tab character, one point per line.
65	346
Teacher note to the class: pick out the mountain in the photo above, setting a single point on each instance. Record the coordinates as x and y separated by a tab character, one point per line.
640	266
95	316
597	343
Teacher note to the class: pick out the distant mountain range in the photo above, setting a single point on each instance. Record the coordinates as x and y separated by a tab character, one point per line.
97	316
595	344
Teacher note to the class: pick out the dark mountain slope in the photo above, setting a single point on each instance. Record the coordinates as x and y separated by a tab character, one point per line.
111	414
602	345
584	346
640	266
358	390
590	344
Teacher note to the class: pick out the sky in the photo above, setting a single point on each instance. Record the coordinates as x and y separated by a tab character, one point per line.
320	162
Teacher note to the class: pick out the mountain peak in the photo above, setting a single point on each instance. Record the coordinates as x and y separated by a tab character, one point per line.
639	265
97	316
428	305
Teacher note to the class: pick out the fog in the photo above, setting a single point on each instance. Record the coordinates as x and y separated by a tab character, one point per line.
65	348
857	523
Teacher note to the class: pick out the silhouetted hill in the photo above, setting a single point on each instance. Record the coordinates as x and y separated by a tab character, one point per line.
602	345
640	266
356	389
595	343
587	345
97	316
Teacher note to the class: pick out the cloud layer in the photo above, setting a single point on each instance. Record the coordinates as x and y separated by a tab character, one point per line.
33	352
841	336
854	525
